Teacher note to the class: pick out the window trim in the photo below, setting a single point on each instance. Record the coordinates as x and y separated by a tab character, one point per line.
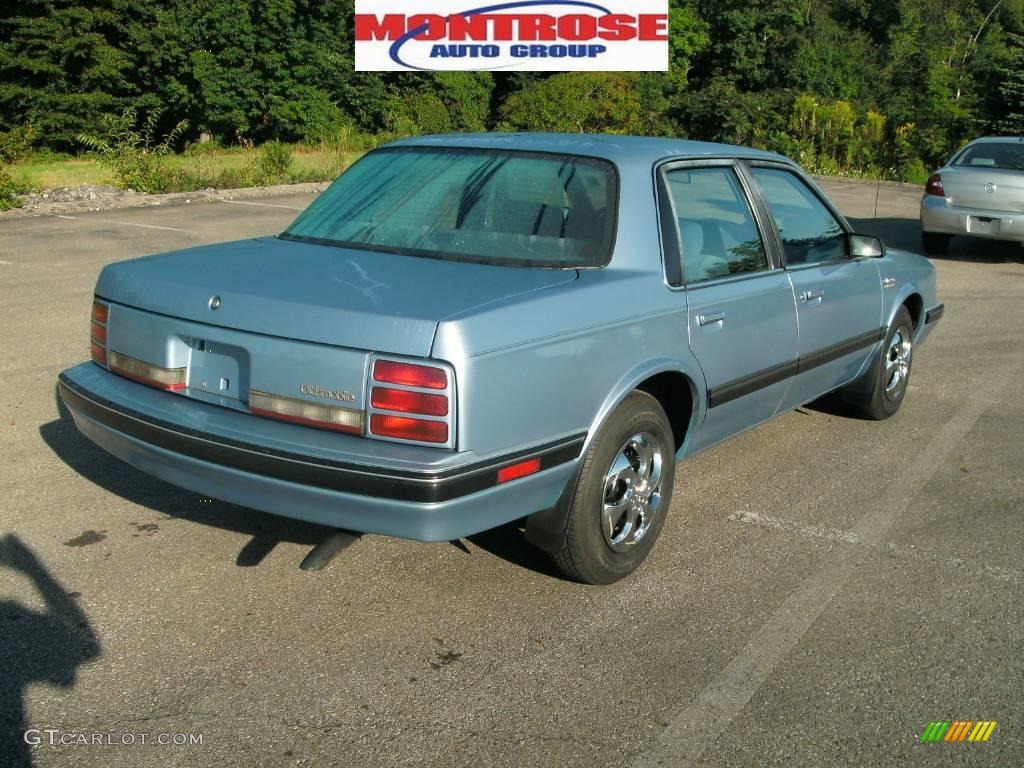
672	249
750	167
613	202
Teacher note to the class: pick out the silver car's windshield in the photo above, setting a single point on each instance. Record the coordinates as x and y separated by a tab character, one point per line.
1007	156
489	206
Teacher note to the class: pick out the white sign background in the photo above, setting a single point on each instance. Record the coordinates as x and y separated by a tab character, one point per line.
620	55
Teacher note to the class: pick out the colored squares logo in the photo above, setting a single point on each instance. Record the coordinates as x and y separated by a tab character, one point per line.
959	730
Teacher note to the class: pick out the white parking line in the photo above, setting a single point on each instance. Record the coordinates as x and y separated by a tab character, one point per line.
700	722
130	224
1010	575
6	263
265	205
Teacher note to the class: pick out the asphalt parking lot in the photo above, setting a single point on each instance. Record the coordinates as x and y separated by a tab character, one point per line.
823	589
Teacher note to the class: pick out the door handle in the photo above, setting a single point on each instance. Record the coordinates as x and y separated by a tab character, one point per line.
711	318
812	295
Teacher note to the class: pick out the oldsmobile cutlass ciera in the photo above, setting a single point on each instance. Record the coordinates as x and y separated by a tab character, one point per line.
464	331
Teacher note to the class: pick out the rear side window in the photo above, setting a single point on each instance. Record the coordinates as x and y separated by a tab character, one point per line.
489	206
719	236
810	233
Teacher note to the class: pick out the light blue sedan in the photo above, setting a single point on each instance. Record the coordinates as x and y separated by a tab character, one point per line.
468	330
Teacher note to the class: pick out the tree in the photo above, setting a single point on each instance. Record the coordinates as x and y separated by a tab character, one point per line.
61	67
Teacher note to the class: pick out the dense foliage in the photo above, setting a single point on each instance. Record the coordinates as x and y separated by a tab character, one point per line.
886	87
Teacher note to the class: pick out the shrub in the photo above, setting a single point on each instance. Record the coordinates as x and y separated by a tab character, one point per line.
133	153
11	189
17	142
274	162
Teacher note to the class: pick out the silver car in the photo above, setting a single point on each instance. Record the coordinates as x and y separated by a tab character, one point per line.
979	193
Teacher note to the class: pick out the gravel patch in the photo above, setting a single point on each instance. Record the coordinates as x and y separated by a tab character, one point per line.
71	200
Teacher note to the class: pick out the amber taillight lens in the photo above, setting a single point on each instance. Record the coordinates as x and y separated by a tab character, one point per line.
98	332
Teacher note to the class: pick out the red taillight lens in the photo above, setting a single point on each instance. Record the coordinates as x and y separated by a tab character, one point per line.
935	186
409	429
516	471
99	334
100	312
404	401
409	375
99	354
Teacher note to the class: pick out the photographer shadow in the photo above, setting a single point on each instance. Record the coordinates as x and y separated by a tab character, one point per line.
44	646
99	467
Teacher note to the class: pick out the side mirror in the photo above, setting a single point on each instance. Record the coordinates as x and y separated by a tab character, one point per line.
866	247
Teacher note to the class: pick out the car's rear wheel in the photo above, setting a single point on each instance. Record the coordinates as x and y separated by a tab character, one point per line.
935	243
892	371
622	495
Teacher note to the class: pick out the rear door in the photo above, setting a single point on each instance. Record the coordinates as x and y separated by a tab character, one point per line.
839	299
741	313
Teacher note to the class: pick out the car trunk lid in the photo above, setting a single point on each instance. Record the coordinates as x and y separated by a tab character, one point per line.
313	293
984	189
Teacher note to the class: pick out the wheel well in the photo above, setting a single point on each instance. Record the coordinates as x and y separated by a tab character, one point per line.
674	392
915	306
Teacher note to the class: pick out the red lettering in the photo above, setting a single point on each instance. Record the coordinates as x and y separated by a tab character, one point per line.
462	28
576	26
369	27
617	26
537	27
653	26
436	26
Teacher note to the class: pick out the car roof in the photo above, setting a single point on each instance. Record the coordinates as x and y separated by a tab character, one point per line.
618	149
998	139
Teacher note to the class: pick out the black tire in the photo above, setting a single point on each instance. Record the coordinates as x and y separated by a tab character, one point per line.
588	553
935	243
885	396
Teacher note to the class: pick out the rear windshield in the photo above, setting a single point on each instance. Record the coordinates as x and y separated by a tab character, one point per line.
1008	156
494	207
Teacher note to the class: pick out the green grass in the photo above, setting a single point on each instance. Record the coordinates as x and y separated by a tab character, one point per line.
216	167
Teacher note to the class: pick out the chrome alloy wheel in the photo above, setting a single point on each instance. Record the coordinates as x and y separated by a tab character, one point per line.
632	492
897	360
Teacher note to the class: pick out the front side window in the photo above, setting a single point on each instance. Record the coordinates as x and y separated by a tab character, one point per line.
488	206
810	233
1006	156
719	236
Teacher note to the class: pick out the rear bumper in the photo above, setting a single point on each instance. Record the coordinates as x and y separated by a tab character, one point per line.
940	217
427	503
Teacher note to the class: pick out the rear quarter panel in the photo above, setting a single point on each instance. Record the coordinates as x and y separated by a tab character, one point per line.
554	364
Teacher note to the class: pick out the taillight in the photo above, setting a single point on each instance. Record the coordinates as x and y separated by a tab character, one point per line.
404	428
404	401
162	378
935	186
417	406
98	333
306	413
410	375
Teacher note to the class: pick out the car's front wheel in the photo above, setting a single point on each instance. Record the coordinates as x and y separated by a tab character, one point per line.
623	494
892	370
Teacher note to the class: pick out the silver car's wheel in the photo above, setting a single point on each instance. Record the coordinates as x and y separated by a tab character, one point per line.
632	492
623	493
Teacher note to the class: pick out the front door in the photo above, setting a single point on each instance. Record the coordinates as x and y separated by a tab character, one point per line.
839	299
742	318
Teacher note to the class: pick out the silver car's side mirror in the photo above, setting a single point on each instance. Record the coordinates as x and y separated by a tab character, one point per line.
866	247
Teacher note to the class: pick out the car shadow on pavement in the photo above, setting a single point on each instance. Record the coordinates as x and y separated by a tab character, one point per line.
905	235
36	646
112	474
509	543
